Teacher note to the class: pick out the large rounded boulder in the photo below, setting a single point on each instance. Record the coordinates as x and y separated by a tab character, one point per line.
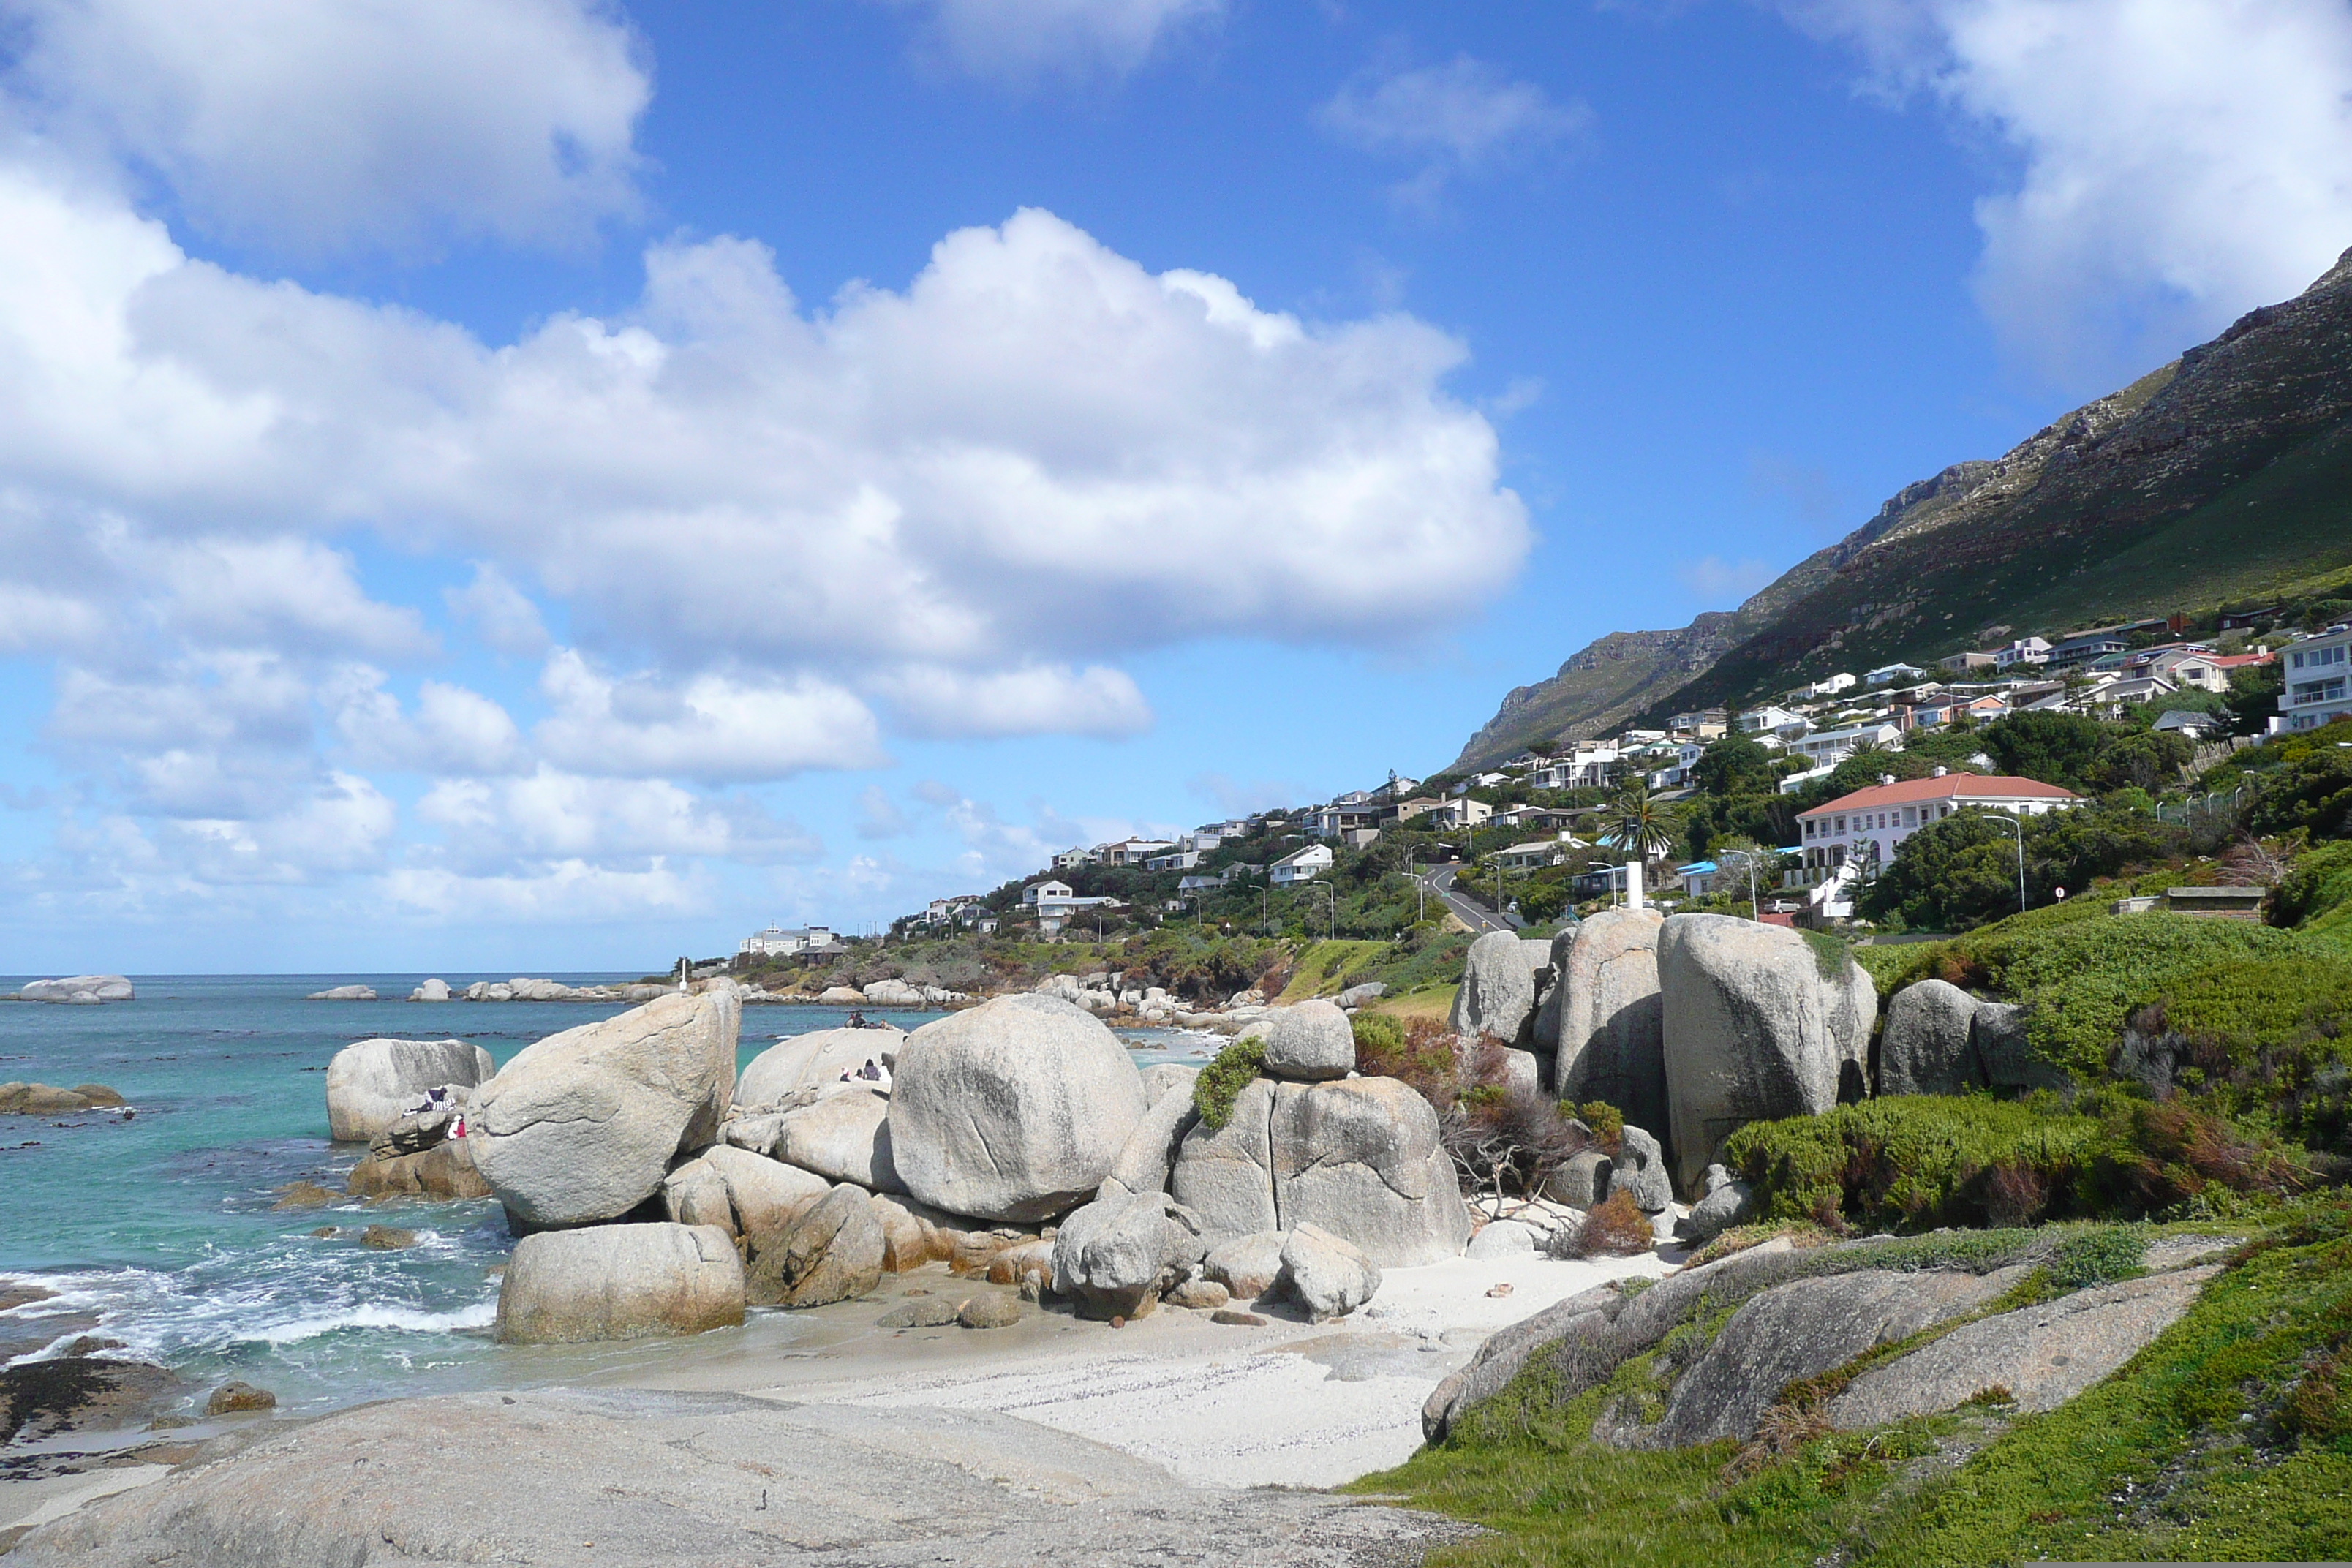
81	987
620	1282
1928	1046
814	1062
1754	1030
1016	1109
1310	1042
583	1125
1361	1159
371	1084
1605	1019
1497	996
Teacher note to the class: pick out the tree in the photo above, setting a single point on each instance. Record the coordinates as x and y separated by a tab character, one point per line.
1734	765
2254	691
1952	874
2312	789
1636	823
2147	759
2056	748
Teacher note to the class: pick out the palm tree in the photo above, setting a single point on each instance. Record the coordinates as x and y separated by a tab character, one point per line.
1636	823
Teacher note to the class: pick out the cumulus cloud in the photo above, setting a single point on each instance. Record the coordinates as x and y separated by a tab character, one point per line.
567	893
711	728
316	129
938	702
282	594
501	614
1461	118
548	817
2179	162
454	730
1020	40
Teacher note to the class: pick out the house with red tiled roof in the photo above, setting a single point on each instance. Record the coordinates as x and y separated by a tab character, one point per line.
1866	828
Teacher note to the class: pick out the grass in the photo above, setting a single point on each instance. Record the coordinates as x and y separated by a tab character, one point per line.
2229	1438
1435	1004
1326	968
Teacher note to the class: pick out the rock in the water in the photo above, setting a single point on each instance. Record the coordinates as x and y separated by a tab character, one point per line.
1497	996
1310	1042
443	1171
1117	1255
1727	1202
344	994
814	1063
47	1099
97	988
1583	1181
371	1084
1226	1176
1248	1265
1929	1048
237	1398
1603	1018
1639	1169
1014	1110
663	1479
832	1252
2044	1355
388	1238
841	996
431	991
305	1195
1748	1030
990	1312
620	1282
583	1126
1326	1274
893	993
1150	1155
1802	1329
1360	1159
843	1137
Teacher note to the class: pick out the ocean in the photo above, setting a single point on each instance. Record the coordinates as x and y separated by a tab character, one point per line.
162	1224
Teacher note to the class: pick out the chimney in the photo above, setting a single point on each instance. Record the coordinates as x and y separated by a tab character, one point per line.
1886	778
1941	770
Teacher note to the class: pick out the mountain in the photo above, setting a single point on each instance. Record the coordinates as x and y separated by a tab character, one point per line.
2220	478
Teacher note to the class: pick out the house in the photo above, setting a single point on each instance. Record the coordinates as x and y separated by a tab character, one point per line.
1058	901
1455	814
2024	650
2112	697
2084	647
1174	860
2317	691
1964	663
1302	865
1359	837
1202	882
1536	854
1698	877
1773	721
778	941
1135	851
1343	815
1834	747
1397	788
1590	766
1888	674
1071	859
2195	726
1706	725
1871	823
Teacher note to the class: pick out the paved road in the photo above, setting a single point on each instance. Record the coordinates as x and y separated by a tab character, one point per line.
1477	916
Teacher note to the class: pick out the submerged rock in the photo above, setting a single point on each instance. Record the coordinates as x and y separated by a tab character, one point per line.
81	987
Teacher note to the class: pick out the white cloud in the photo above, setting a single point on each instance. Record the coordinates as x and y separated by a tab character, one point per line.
2179	160
317	128
501	613
280	593
935	702
490	826
343	826
711	728
1461	118
1235	798
454	731
1021	39
568	893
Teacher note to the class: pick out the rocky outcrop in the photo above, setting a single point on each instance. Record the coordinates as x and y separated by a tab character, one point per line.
80	988
371	1084
344	994
1360	1159
583	1125
1118	1255
1753	1030
1728	1200
1225	1174
2044	1355
830	1252
742	1193
1497	996
1149	1153
812	1064
1014	1110
1603	1019
1247	1266
431	991
1928	1046
46	1099
444	1170
619	1282
843	1137
841	996
1326	1274
1310	1042
660	1480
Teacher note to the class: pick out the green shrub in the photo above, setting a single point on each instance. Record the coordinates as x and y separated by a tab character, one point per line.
1378	1032
2097	1256
1830	953
1222	1080
1608	1124
1914	1163
2319	884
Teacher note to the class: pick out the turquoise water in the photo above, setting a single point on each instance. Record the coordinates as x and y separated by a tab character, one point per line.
162	1223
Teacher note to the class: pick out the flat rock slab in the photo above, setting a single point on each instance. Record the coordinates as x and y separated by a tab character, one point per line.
623	1478
2044	1355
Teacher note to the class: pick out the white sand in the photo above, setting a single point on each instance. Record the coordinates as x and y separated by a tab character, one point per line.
1295	1403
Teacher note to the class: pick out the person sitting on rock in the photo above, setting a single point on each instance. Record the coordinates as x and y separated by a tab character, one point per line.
856	1019
871	1072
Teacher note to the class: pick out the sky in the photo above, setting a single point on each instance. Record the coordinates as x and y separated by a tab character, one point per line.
551	484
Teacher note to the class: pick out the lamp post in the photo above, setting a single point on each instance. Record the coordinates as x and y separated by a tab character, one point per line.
2014	826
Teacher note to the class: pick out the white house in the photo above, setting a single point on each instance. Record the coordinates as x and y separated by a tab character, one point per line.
1058	901
777	942
1071	859
1888	674
1202	882
1830	747
1536	854
1871	823
2316	673
1590	767
1304	866
1174	860
2024	650
1774	720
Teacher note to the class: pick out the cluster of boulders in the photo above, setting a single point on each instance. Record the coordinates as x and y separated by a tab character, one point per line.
655	1193
1137	994
47	1099
518	989
1938	1039
1692	1026
82	989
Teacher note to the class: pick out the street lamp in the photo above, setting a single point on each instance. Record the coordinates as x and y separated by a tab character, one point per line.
2014	826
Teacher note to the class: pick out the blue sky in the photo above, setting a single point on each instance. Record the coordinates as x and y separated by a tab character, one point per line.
539	484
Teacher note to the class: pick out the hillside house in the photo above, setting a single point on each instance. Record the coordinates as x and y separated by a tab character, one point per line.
1071	859
2023	651
1890	674
2317	690
1174	860
1058	901
780	942
1135	851
1827	748
1303	866
1869	825
1969	663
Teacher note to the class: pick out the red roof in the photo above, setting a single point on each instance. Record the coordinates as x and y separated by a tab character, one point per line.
2233	660
1960	787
